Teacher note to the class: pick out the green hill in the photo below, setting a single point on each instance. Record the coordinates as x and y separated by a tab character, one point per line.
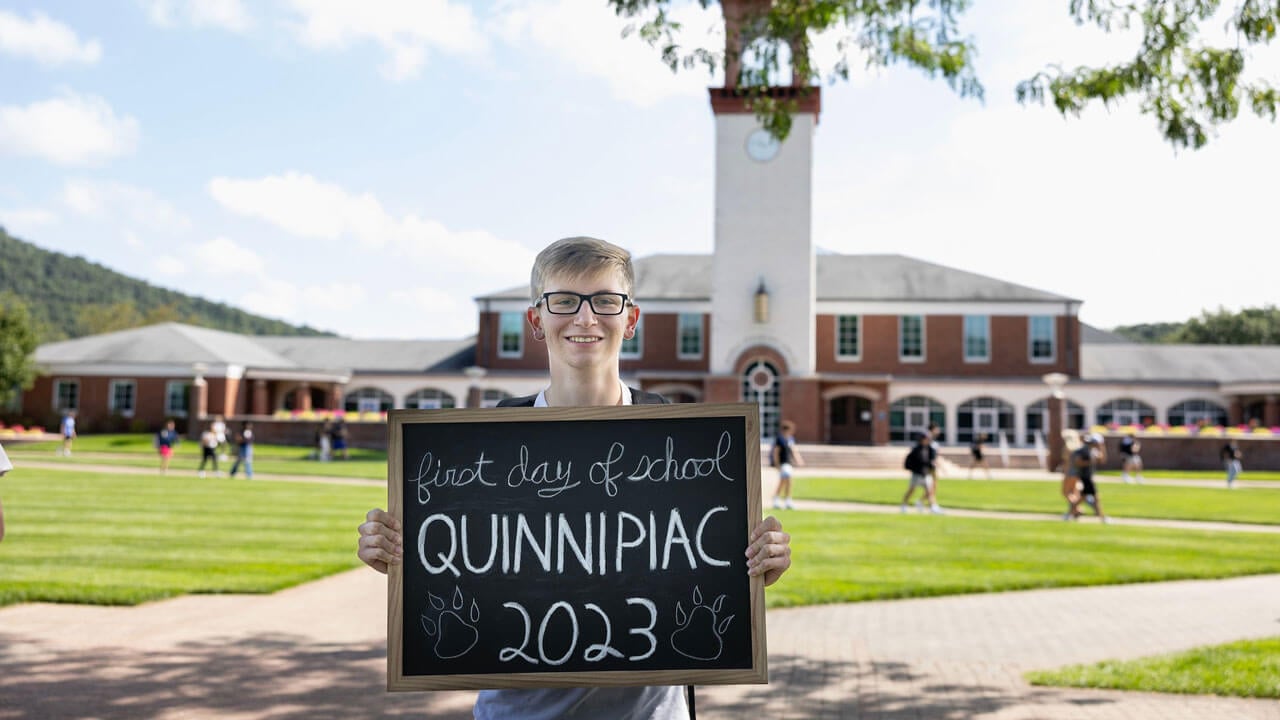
72	297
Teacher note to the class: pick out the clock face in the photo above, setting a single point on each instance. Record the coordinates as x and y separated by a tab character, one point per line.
761	146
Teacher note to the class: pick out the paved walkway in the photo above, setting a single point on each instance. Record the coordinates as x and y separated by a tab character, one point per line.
318	651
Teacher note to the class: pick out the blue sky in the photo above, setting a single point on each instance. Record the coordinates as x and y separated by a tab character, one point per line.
368	168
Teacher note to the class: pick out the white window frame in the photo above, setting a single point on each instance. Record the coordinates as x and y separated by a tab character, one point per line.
425	401
1031	339
689	321
133	397
902	319
57	387
638	340
504	318
169	409
857	356
985	321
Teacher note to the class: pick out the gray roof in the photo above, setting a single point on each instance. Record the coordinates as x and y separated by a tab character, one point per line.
163	344
376	356
840	277
1096	336
1204	363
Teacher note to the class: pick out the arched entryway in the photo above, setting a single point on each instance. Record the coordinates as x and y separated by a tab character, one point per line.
851	416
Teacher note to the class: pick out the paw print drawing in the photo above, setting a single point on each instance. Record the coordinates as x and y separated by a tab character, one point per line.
701	631
454	635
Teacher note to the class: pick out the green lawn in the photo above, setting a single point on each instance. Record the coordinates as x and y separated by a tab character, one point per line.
1213	475
137	451
842	557
1249	668
1246	505
124	539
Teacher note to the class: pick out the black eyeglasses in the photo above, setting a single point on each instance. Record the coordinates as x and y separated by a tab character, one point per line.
568	303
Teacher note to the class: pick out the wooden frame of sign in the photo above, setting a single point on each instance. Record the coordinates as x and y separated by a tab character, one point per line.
571	547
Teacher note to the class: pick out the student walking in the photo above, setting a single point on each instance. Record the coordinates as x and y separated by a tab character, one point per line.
68	428
1130	459
1081	466
1230	455
922	461
785	457
977	458
165	441
244	451
208	451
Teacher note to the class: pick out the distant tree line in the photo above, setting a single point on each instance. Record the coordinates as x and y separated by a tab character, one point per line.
68	297
1250	326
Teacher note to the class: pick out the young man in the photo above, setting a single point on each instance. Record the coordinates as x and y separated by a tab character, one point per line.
785	458
977	457
1130	460
68	432
244	451
1230	455
208	451
1081	465
921	461
166	440
582	309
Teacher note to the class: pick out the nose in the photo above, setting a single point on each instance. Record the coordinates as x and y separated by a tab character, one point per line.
585	315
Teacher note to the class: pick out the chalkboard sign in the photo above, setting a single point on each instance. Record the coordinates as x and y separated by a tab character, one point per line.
570	547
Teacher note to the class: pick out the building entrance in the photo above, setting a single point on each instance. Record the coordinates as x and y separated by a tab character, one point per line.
851	420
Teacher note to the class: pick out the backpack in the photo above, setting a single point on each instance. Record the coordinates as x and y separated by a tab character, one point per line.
912	462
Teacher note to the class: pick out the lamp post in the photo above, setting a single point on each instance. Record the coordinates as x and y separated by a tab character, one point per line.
1057	417
762	303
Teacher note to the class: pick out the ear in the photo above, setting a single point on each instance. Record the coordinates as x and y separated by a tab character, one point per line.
633	319
535	322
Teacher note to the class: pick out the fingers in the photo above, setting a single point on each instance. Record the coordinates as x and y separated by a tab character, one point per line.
768	551
381	544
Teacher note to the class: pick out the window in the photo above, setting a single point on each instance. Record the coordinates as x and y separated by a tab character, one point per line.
66	395
911	338
760	385
977	338
632	346
689	330
511	334
988	415
367	399
1195	412
1125	411
124	397
177	396
490	398
429	399
1040	332
848	340
1038	419
910	416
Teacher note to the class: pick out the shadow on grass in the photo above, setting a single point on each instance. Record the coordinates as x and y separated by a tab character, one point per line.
268	675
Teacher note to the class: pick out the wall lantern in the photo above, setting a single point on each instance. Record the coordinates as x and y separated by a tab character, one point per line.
762	303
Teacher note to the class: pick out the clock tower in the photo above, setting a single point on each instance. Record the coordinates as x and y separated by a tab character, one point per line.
763	273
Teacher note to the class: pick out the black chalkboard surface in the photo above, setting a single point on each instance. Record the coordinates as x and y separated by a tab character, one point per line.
567	547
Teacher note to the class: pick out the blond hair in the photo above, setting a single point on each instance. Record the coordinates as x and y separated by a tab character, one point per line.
578	257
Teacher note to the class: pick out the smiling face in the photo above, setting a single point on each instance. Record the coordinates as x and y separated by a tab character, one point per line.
584	340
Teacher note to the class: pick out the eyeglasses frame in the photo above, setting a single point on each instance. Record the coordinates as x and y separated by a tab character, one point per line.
588	299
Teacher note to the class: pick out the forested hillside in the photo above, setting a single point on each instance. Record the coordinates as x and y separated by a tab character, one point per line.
1248	326
72	297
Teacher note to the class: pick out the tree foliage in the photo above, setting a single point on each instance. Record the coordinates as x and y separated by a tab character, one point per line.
71	297
1185	82
1250	326
18	341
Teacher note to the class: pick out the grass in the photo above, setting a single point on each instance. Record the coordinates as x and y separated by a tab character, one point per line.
1245	505
1249	668
1211	475
125	539
846	557
136	451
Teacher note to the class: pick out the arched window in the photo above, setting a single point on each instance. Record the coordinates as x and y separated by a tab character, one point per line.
989	415
1125	411
1192	412
429	399
367	400
1038	419
910	416
491	398
760	385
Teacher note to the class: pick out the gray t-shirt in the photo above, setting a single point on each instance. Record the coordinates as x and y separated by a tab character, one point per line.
627	703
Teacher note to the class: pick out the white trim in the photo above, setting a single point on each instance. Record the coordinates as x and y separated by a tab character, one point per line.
702	336
944	307
964	339
169	411
924	353
54	400
1053	340
519	352
296	376
111	397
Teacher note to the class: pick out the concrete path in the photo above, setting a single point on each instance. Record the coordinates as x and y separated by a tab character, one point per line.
318	651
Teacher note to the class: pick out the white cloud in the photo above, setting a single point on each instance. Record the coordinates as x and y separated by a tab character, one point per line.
304	206
588	37
45	40
334	296
68	130
125	203
225	14
132	240
169	266
274	299
407	30
222	256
